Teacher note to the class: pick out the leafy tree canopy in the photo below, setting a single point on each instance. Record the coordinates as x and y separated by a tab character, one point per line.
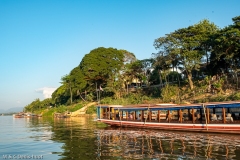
187	45
101	64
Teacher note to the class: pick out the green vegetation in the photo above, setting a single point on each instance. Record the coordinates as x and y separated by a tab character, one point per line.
91	110
198	63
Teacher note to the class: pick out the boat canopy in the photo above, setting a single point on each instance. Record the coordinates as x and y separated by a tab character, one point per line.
234	104
109	106
169	106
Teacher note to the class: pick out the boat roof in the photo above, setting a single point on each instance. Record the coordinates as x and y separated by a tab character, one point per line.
171	106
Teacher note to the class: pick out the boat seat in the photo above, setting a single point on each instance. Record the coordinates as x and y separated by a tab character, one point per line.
214	117
219	117
229	117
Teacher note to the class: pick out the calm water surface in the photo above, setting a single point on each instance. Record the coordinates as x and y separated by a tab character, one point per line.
83	138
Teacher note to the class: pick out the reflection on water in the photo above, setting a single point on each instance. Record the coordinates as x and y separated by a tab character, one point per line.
152	144
26	137
83	138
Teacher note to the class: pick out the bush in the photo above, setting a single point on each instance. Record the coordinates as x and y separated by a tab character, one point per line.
219	98
91	110
107	100
61	109
48	112
170	93
89	97
235	96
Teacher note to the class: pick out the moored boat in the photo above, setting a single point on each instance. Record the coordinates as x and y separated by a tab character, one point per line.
221	117
19	115
30	115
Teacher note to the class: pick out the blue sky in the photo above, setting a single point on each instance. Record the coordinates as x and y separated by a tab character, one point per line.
42	40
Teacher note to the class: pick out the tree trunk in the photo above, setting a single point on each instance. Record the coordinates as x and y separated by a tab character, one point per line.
71	94
82	98
189	75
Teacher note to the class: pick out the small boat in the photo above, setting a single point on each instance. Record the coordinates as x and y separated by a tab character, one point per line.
30	115
19	115
217	117
27	115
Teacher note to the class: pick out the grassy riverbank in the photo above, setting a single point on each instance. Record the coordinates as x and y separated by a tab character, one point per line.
65	109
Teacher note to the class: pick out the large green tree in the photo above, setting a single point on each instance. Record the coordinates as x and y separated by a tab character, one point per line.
187	44
102	67
226	50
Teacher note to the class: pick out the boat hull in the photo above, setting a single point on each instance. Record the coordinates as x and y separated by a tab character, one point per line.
214	128
18	116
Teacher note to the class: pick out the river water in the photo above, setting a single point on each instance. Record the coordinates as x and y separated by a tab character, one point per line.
85	139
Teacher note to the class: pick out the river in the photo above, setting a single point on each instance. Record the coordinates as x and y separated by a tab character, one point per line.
85	139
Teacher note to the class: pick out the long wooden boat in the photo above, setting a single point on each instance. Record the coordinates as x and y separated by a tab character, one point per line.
221	117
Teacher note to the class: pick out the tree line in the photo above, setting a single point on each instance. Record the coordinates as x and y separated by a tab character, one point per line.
183	57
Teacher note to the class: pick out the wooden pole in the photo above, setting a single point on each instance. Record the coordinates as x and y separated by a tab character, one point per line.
193	118
168	116
150	116
119	114
114	114
180	115
208	115
224	115
159	115
142	116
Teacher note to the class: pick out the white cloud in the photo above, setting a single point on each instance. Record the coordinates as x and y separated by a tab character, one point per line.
18	102
46	91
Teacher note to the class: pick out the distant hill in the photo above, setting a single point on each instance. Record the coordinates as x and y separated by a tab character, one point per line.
2	111
12	110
